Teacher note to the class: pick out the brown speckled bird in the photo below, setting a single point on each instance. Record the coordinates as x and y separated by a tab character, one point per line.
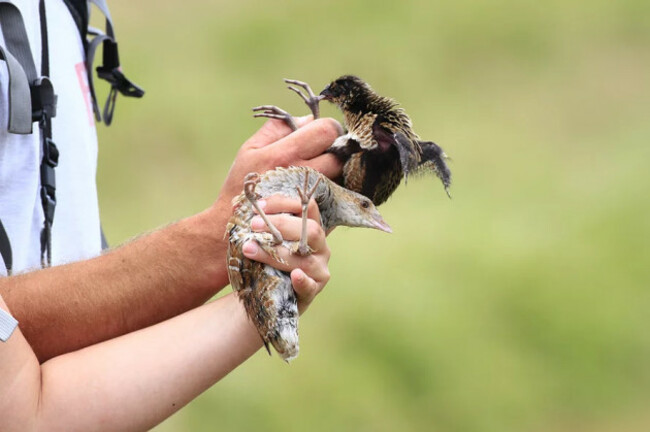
266	292
380	147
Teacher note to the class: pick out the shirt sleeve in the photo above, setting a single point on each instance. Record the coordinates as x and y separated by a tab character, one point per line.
7	325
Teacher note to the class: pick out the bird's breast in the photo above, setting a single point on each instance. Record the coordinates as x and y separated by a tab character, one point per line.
360	127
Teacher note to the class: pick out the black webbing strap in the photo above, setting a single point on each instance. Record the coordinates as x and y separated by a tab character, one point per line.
43	110
110	69
20	68
5	249
105	245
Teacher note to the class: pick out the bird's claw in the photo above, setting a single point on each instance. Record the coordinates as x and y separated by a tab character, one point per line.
311	99
274	112
250	182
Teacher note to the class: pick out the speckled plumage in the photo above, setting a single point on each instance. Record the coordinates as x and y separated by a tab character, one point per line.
267	293
380	147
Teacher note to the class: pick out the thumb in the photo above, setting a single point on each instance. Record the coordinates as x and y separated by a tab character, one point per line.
311	140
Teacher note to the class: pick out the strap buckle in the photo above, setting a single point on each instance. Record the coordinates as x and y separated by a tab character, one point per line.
119	82
43	99
48	180
111	71
51	154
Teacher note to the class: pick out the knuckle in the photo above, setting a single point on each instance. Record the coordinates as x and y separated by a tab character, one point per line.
271	159
326	276
276	159
278	222
314	230
327	253
327	128
309	264
334	126
312	208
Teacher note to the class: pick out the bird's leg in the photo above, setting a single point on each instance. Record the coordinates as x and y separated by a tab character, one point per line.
305	193
271	111
310	98
250	181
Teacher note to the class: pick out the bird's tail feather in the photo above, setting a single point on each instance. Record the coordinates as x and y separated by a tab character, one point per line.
433	157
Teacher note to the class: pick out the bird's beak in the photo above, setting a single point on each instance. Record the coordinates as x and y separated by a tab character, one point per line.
380	224
325	94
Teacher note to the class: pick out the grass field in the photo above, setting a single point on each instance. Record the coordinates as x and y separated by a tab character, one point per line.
521	304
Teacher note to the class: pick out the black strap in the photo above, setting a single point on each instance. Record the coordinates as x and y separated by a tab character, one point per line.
5	249
110	70
45	52
105	244
79	11
43	110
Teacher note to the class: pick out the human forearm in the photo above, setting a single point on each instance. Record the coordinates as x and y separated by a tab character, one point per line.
149	279
136	381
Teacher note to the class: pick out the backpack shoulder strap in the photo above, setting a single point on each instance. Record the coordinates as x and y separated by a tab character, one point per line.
5	249
40	101
111	69
20	67
79	11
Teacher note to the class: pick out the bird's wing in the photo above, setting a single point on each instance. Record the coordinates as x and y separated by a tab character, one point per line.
434	158
388	135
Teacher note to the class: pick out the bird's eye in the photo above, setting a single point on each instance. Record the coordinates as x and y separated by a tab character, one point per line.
365	204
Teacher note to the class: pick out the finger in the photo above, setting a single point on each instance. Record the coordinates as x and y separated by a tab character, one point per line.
311	140
326	164
314	265
273	130
305	287
284	204
291	229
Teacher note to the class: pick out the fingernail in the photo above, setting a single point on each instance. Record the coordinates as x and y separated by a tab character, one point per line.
262	204
300	276
250	249
257	223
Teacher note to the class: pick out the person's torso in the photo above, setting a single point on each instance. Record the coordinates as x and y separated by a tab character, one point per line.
76	228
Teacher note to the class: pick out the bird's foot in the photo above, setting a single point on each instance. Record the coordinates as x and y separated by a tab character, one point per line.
271	111
311	99
296	249
250	181
302	248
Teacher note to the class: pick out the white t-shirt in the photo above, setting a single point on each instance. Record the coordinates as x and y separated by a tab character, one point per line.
76	228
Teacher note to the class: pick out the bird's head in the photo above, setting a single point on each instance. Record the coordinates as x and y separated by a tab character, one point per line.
355	210
346	90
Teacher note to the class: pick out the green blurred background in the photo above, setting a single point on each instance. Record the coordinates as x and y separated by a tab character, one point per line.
519	305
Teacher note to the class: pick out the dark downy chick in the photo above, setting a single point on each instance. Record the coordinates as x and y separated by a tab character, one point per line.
380	147
267	293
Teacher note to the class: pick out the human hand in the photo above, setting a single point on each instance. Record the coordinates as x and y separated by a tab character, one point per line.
276	145
309	274
273	145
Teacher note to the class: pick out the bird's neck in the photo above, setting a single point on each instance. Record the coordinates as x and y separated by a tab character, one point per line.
327	205
357	104
331	199
368	101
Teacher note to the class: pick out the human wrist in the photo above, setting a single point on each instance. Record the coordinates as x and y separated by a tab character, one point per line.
208	246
